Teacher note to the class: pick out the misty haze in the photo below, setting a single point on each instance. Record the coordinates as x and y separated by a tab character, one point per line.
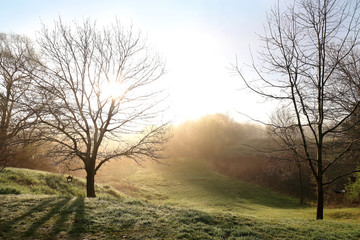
180	119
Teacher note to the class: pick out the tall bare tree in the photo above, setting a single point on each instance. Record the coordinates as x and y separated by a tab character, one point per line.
16	117
101	95
304	45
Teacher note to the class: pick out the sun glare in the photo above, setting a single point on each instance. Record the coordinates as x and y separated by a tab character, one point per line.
111	90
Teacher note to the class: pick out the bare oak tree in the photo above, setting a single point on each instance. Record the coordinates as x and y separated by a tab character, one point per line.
16	117
304	45
101	96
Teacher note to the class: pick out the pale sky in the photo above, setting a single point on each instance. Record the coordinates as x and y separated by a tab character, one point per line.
199	39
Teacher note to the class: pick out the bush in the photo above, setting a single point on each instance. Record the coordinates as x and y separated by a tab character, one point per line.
353	190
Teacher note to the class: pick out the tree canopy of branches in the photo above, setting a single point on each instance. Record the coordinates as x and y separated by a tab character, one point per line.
101	97
304	46
16	117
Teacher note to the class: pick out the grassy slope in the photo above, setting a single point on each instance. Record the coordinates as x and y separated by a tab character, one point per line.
25	181
228	209
191	184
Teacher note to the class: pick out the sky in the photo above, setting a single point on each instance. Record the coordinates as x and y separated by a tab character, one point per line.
198	39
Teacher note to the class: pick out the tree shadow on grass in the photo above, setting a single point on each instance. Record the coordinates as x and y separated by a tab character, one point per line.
75	208
52	218
52	210
7	226
69	214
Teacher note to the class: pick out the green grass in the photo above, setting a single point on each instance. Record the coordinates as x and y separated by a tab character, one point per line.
54	217
185	200
25	181
192	184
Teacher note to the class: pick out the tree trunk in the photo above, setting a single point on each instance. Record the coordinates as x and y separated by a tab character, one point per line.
90	184
301	185
320	201
4	150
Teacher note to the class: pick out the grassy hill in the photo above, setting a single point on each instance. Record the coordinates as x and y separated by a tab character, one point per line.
182	201
191	183
25	181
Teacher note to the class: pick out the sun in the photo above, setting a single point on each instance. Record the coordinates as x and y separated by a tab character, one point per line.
111	90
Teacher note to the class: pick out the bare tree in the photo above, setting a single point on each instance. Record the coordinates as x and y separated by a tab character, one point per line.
16	117
101	96
304	46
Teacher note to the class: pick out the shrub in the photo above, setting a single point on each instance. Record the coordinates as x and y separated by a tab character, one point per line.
353	189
